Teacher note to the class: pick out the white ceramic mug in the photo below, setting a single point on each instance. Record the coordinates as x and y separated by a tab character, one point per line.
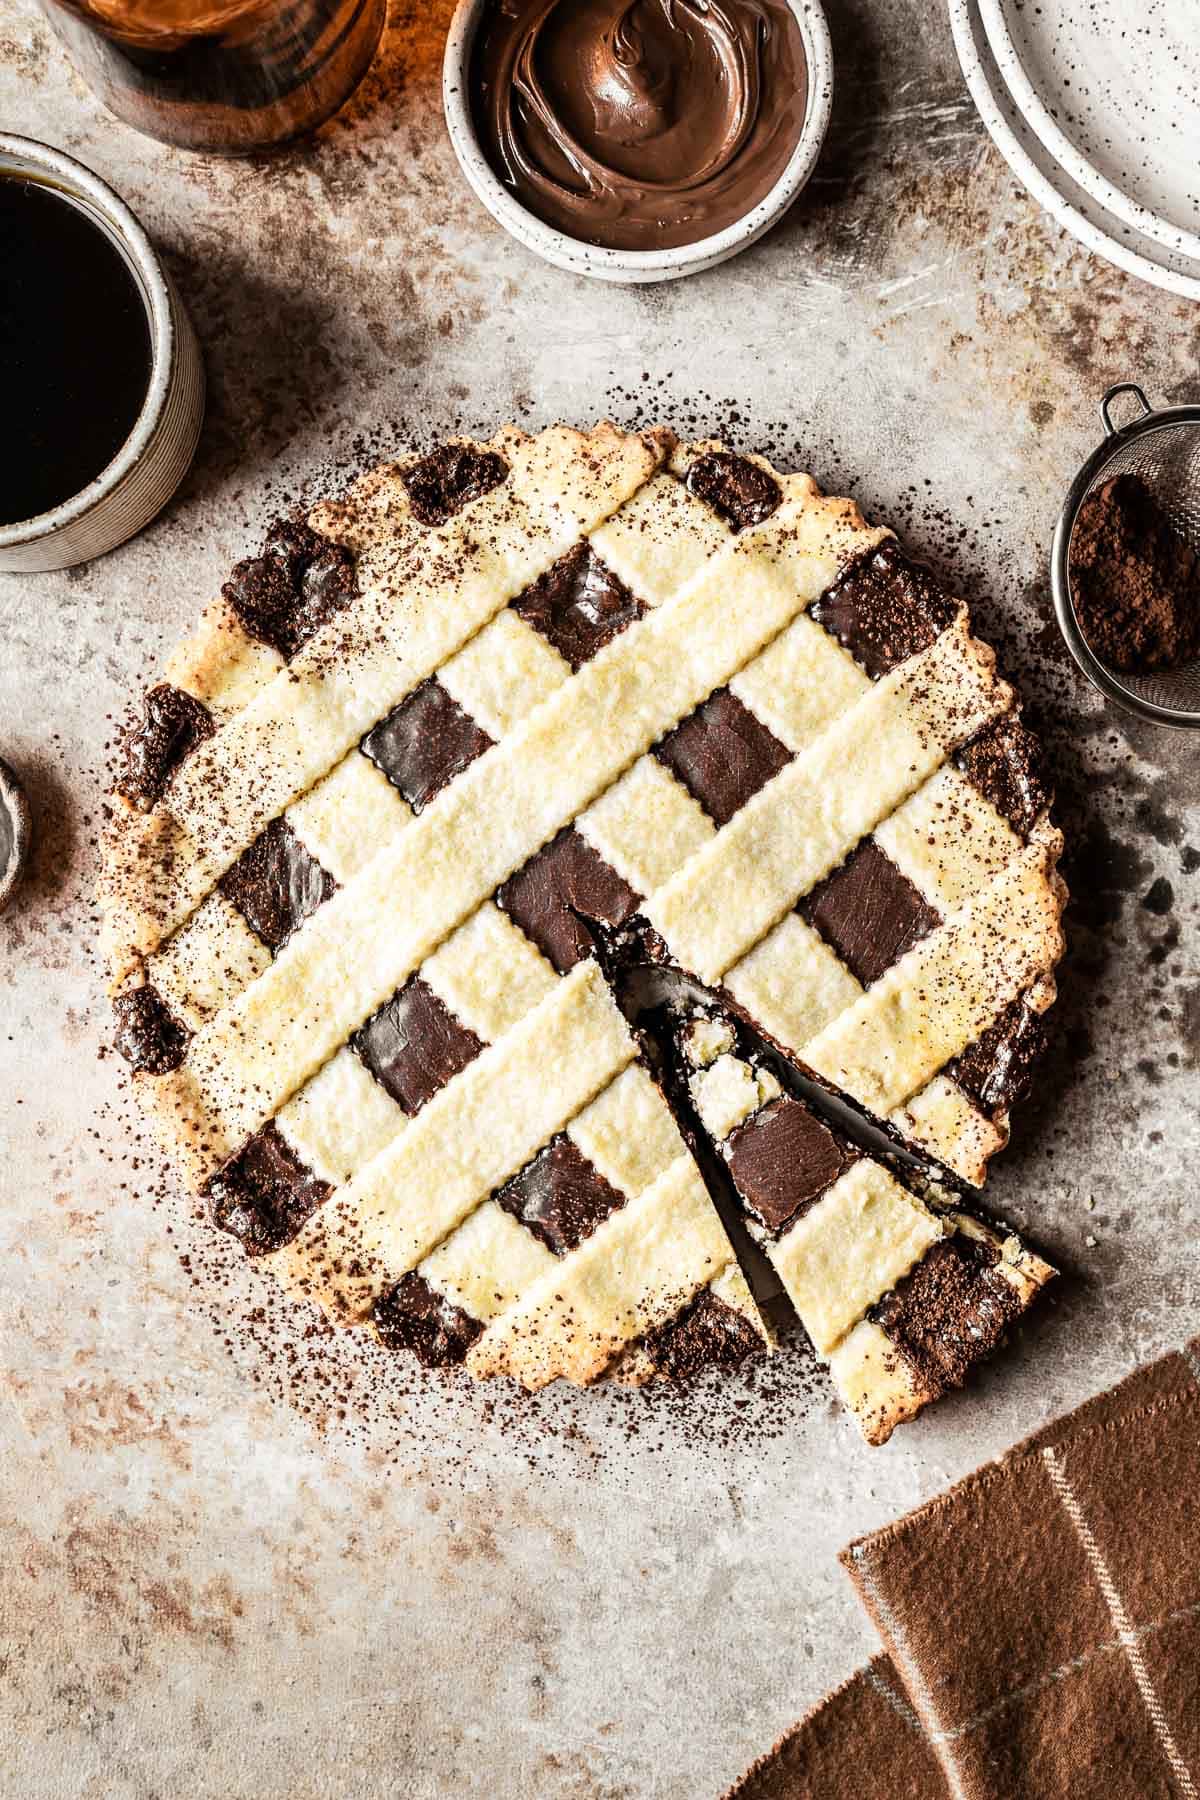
152	461
567	252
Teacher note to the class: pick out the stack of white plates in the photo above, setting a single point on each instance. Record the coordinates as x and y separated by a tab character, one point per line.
1095	105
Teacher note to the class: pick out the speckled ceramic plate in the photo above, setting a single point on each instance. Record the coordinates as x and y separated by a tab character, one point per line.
1113	92
1046	179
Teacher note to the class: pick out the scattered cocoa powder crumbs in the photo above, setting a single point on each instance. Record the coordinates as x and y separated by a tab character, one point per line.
1135	580
356	1396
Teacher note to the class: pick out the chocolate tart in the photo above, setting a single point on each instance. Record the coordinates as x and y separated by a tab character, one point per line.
439	736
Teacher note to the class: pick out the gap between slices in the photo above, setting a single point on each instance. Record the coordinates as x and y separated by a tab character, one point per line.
501	700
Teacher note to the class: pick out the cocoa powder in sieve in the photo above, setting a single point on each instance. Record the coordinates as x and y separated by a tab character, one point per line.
1135	579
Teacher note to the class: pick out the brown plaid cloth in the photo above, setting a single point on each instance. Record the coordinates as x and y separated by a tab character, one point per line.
1041	1622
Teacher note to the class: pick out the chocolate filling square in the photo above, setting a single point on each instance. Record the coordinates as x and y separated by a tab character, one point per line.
706	1334
172	724
264	1194
1007	764
722	754
782	1161
579	605
884	608
414	1317
425	742
558	889
997	1069
294	588
414	1045
949	1312
561	1196
147	1035
276	884
449	478
738	489
869	912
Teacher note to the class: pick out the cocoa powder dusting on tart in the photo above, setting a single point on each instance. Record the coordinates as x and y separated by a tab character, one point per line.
264	1194
706	1334
998	1069
952	1310
448	478
146	1035
298	583
412	1316
737	488
172	724
1007	765
884	608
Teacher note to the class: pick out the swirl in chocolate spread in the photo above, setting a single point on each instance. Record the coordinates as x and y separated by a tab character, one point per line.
639	124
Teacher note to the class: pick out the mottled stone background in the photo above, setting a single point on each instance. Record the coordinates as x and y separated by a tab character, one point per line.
237	1561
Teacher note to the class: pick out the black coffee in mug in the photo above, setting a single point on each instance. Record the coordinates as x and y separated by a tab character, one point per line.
75	351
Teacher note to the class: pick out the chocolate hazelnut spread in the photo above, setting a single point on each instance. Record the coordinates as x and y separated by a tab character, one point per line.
639	124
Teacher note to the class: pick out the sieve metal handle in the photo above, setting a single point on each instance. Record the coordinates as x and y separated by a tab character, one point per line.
1121	387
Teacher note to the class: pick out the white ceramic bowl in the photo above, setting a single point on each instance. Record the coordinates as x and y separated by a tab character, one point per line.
1127	89
1049	183
569	253
152	462
17	824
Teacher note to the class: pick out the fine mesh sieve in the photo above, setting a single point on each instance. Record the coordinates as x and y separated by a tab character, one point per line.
1163	447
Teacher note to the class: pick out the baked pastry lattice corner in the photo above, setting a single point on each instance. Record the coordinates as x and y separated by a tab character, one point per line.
496	699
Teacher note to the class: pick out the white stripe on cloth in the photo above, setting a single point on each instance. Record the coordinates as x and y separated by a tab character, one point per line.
913	1674
898	1705
1126	1634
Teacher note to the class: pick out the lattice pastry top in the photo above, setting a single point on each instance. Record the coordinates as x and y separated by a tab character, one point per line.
426	740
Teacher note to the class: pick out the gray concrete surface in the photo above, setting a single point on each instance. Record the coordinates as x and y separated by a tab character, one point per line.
211	1582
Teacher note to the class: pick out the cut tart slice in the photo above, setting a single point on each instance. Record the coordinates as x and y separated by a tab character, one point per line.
902	1293
499	695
